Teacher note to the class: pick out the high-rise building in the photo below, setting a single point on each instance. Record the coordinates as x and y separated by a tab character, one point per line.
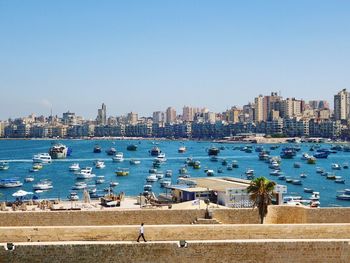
291	107
133	118
259	109
187	113
102	115
170	115
341	105
271	104
158	117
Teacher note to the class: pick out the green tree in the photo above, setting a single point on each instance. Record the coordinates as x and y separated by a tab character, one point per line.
261	191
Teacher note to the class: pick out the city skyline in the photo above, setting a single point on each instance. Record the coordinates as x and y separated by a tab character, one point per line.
143	57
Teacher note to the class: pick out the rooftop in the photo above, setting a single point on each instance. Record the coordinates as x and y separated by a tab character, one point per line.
219	183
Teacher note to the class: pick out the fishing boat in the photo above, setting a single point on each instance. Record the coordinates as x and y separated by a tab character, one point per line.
58	151
159	175
122	172
97	149
305	156
74	167
36	167
331	177
282	177
113	184
99	164
155	151
213	151
339	180
319	170
29	179
119	157
161	158
4	166
345	166
287	153
343	197
311	160
100	179
274	165
308	190
303	175
321	155
182	149
235	164
263	156
224	162
183	170
297	165
297	182
85	173
249	172
275	172
111	151
10	183
42	158
336	166
131	147
73	196
197	165
229	167
134	162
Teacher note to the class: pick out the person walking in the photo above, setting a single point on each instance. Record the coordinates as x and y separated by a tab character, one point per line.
141	234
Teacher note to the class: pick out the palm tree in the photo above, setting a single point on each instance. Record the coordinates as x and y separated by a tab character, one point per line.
261	190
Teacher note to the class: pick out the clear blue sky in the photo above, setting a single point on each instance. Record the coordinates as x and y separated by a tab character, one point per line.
146	55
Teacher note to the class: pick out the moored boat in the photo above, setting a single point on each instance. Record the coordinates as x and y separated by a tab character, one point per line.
182	149
119	157
97	149
74	167
10	183
122	172
4	166
155	151
131	147
134	162
111	151
58	151
99	164
42	158
213	151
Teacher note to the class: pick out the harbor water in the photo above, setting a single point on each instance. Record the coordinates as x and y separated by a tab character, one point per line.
19	153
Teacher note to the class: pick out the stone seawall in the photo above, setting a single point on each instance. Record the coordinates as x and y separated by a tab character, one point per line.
219	251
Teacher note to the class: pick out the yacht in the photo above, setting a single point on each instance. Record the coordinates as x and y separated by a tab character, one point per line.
119	157
42	158
73	196
74	167
100	179
99	165
10	183
58	151
151	178
4	166
79	186
85	173
43	185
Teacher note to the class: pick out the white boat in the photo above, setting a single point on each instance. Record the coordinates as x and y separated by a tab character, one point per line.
297	182
58	151
159	175
10	183
165	183
119	157
315	196
79	186
4	166
29	179
112	184
99	165
100	179
305	156
319	170
210	173
182	149
303	175
42	158
43	185
73	196
151	178
249	172
134	162
274	165
168	173
85	173
335	166
147	187
74	167
161	158
275	172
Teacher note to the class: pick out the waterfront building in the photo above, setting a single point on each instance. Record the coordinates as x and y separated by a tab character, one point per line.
187	113
132	118
69	118
158	117
342	105
259	109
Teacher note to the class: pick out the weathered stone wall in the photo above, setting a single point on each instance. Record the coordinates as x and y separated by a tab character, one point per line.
175	232
219	251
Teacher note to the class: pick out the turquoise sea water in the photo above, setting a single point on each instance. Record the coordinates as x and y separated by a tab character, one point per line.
19	154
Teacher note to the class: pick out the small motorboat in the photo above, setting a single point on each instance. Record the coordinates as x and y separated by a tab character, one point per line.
282	177
79	186
100	179
122	172
97	149
85	173
147	187
336	166
74	167
131	147
249	172
182	149
305	156
43	185
345	166
4	166
183	170
99	165
134	162
165	183
214	158
111	151
319	170
331	177
119	157
159	175
10	183
161	158
113	184
297	182
235	164
73	196
303	175
210	173
197	165
29	179
343	197
308	190
151	178
220	170
339	180
275	172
